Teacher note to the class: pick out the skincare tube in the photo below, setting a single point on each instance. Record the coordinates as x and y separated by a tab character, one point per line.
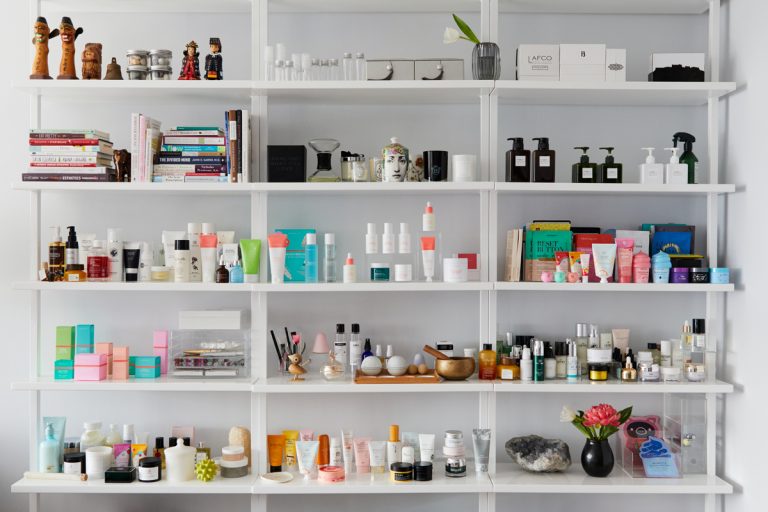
208	250
428	257
306	435
169	247
377	451
624	253
291	436
584	267
575	259
621	339
481	442
131	256
412	439
307	453
275	445
362	455
605	256
146	261
278	242
427	447
347	450
336	456
251	250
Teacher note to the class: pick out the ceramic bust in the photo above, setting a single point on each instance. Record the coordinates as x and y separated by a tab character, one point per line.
190	65
395	165
214	67
42	33
68	35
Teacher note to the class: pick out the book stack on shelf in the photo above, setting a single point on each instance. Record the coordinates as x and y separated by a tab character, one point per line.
70	155
191	154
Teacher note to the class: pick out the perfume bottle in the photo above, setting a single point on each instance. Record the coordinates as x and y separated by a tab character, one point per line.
518	162
543	162
610	171
584	171
324	172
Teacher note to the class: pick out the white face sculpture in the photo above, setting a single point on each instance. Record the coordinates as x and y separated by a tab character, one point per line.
395	167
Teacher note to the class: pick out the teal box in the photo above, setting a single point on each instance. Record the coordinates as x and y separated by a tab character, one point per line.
84	339
147	367
294	254
131	365
63	369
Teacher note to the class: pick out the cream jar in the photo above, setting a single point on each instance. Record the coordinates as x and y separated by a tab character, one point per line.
160	57
137	72
455	270
160	72
137	58
160	274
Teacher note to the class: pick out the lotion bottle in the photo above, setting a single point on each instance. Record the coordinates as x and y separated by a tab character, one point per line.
329	261
584	171
181	261
388	239
518	162
651	173
610	171
394	446
355	348
572	361
310	258
350	269
371	248
195	264
49	452
675	173
340	346
538	360
115	253
526	365
543	162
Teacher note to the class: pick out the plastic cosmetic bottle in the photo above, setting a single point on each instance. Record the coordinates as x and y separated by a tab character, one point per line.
329	258
526	366
371	249
651	173
582	346
195	269
236	273
181	266
340	346
98	263
56	256
572	361
550	363
675	173
688	158
49	452
355	348
538	360
487	359
428	222
310	258
518	162
543	162
610	171
350	269
72	248
115	253
388	239
222	273
584	171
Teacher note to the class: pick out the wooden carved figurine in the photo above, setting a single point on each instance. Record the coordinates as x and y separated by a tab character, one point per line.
92	61
122	159
113	71
68	35
42	33
190	64
214	68
295	368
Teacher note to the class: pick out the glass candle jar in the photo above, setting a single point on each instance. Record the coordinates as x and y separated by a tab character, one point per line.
137	57
160	57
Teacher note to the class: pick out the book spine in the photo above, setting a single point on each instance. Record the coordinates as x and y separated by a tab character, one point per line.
67	164
233	143
162	154
193	133
66	177
83	169
227	139
246	142
69	150
194	147
142	147
239	123
160	168
75	141
211	160
187	140
134	146
68	135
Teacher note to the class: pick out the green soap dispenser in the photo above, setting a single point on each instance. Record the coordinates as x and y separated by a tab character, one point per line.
610	171
687	158
584	171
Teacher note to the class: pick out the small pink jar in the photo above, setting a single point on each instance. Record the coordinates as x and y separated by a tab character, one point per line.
641	266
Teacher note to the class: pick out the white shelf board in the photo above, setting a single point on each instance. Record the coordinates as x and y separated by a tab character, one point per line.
415	92
605	6
509	478
586	386
612	287
243	189
517	92
368	483
133	287
316	384
181	7
176	91
377	287
447	187
373	6
159	384
242	485
612	189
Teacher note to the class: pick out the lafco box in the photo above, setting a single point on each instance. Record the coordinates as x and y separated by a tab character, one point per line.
538	62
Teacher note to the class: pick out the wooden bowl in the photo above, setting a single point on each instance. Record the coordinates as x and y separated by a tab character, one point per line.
455	368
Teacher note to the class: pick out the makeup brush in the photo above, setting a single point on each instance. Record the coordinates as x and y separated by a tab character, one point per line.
277	348
288	340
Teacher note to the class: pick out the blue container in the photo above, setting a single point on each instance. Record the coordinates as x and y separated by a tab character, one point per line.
147	367
719	275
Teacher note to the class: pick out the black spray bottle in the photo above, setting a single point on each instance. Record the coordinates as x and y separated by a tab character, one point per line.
584	171
610	171
518	162
688	158
543	162
72	248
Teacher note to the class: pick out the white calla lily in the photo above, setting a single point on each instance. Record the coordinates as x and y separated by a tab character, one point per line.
451	35
567	415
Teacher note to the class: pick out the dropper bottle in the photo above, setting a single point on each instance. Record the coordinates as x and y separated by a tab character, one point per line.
72	247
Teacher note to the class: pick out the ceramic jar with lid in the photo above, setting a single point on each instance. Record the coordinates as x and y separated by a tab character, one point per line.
137	58
137	72
160	72
180	463
395	161
160	57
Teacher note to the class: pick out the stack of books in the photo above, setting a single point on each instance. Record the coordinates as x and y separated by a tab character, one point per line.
70	155
191	154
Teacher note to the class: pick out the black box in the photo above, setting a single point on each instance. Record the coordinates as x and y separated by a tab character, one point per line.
117	475
286	164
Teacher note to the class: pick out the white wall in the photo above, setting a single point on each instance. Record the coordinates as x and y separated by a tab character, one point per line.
451	127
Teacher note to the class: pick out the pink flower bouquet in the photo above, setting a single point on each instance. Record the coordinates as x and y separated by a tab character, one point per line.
599	422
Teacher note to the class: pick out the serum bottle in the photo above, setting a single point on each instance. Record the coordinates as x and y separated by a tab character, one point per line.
543	162
310	258
526	366
538	360
329	258
72	248
584	171
572	361
610	171
350	269
366	350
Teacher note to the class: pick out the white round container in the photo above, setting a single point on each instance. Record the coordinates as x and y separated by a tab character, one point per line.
455	270
98	459
464	167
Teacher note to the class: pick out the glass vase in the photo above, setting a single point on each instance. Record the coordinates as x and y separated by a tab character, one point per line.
486	62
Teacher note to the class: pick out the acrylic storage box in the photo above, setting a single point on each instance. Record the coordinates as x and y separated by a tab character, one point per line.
645	451
65	342
146	367
84	339
212	319
685	426
210	353
63	369
90	367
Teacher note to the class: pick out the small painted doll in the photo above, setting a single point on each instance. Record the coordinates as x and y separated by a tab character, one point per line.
213	62
40	40
68	35
190	64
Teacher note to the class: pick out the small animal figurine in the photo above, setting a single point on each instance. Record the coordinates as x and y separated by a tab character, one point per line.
68	35
213	62
92	61
122	159
113	71
190	64
42	33
295	367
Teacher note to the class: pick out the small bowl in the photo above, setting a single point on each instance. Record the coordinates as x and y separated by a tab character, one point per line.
455	368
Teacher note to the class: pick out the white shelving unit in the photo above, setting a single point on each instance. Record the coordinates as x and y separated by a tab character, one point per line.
487	95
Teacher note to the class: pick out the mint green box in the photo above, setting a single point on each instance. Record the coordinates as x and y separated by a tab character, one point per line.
131	365
63	369
65	342
147	367
294	254
84	339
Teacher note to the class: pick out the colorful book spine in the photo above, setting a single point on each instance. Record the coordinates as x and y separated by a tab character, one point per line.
211	160
194	147
37	176
70	150
69	142
68	133
191	140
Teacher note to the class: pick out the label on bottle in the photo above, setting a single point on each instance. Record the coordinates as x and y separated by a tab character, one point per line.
612	173
71	468
586	173
388	244
149	474
98	267
340	351
73	277
371	244
350	273
404	244
71	256
520	161
55	255
507	374
544	161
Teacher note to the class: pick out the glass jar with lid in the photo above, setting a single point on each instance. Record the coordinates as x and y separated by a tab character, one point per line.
91	436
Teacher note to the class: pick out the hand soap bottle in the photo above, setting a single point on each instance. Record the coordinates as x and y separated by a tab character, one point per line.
49	452
651	173
584	171
610	171
543	162
518	162
688	158
675	173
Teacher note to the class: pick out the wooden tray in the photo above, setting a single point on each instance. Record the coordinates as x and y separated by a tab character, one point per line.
431	377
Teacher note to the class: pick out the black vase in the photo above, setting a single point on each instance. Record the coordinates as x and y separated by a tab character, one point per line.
597	458
486	62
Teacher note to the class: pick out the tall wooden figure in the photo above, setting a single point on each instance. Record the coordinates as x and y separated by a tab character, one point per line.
214	67
68	35
42	33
